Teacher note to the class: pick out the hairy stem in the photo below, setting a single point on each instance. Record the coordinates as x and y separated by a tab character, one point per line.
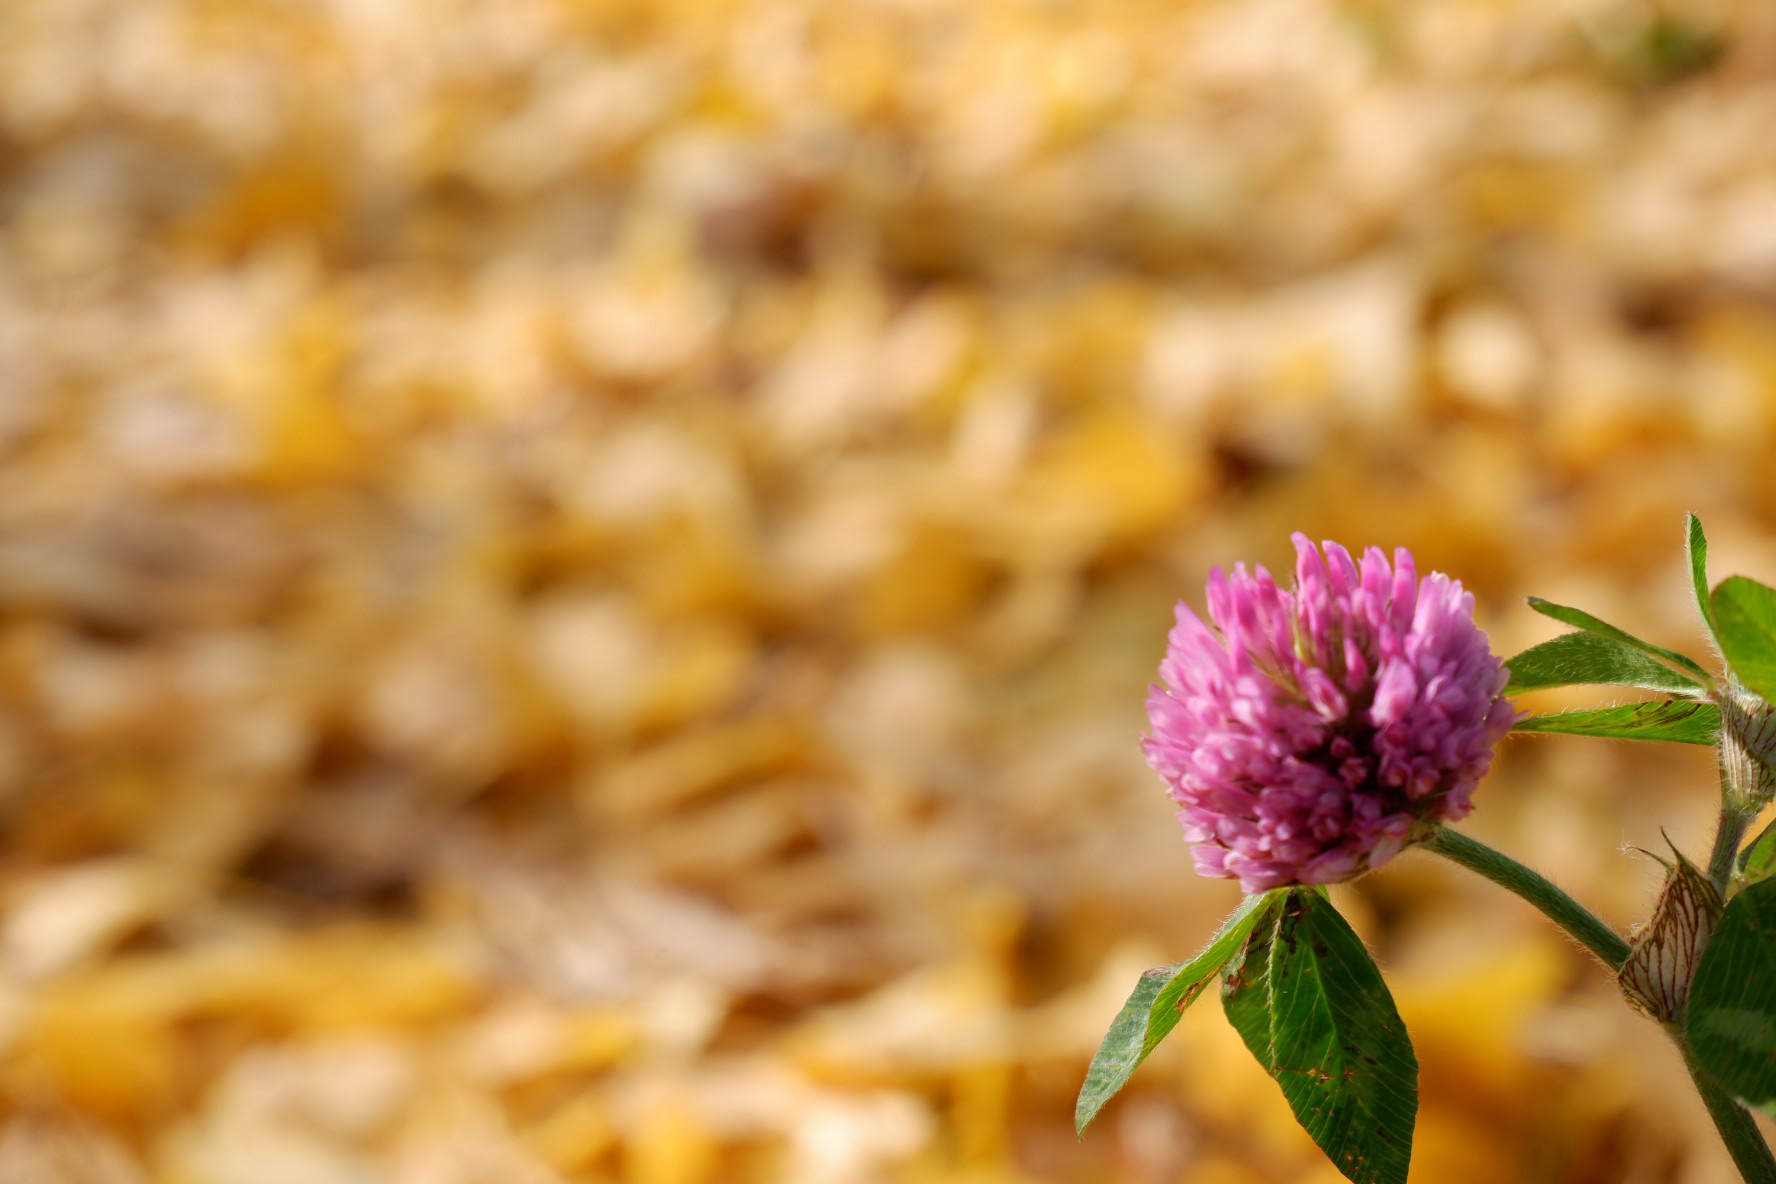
1738	1130
1563	910
1727	837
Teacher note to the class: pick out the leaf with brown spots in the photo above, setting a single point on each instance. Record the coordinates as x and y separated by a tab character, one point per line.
1310	1003
1155	1006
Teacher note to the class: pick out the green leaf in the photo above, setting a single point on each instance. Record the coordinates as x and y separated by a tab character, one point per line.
1189	980
1745	626
1308	1000
1584	620
1154	1008
1696	548
1575	658
1732	1012
1680	720
1758	860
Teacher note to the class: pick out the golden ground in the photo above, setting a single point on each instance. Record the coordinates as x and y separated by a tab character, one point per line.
577	578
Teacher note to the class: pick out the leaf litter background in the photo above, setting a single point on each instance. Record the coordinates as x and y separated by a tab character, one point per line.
577	576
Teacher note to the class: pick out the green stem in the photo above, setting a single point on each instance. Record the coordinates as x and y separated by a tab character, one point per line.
1727	837
1738	1130
1537	889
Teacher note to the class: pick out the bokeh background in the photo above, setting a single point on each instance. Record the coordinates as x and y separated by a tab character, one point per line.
577	576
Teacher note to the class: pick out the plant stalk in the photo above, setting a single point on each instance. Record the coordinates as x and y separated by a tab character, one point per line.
1738	1130
1727	837
1584	925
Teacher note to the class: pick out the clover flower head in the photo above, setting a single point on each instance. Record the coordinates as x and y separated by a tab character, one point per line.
1314	733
